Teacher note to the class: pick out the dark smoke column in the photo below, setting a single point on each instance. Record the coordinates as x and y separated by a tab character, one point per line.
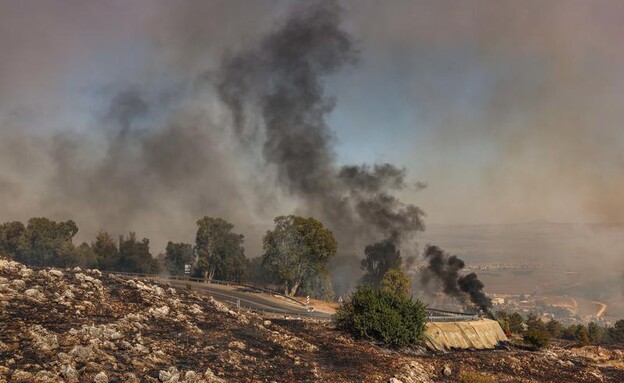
445	269
280	83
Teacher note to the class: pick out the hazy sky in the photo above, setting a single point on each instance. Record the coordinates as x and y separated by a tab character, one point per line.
510	111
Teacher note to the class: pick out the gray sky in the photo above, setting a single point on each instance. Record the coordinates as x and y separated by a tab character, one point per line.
509	111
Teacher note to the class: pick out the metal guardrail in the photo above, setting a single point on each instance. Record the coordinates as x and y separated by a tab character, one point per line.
184	278
237	304
457	318
436	315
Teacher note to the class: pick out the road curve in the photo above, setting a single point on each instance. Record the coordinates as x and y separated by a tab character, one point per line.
249	299
601	310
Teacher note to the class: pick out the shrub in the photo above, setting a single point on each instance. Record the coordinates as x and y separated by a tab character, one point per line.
582	337
475	377
595	333
515	323
616	332
395	281
381	315
537	338
554	328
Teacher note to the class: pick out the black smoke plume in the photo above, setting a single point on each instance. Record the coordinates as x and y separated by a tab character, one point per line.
471	285
279	83
445	269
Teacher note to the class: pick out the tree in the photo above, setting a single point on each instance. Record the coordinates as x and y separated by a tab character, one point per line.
554	328
10	236
379	258
106	251
48	243
538	338
86	256
297	249
220	252
396	282
536	335
134	255
515	323
533	321
317	285
256	272
177	255
582	337
376	314
594	333
569	332
616	332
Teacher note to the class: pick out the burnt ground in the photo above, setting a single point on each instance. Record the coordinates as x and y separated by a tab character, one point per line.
563	362
74	325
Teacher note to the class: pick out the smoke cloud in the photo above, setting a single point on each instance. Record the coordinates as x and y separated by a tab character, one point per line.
238	129
444	269
279	83
146	115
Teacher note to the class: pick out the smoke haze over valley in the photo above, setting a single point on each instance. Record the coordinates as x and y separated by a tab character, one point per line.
448	123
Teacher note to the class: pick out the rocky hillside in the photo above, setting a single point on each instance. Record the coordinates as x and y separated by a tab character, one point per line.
82	326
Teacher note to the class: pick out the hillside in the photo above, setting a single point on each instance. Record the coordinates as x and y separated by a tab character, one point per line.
82	326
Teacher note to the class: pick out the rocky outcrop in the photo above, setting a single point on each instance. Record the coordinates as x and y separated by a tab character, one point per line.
81	326
78	325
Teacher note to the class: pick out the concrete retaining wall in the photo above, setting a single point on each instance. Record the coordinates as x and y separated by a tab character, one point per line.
481	334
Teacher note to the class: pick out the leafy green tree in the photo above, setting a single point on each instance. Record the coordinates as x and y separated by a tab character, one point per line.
86	256
256	273
515	323
296	249
569	332
537	337
106	251
554	328
616	332
317	285
503	320
395	281
134	255
376	314
537	334
594	333
582	337
10	236
220	252
379	258
177	255
48	243
533	321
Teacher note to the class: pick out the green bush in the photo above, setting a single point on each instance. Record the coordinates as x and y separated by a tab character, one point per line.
537	338
383	316
616	332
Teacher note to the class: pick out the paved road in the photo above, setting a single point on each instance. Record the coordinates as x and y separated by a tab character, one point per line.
601	310
269	304
251	300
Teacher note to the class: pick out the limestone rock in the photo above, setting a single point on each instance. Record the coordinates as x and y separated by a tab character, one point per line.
101	377
413	372
21	376
159	312
70	374
170	376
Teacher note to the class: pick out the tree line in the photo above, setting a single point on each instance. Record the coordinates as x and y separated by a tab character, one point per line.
295	256
538	333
